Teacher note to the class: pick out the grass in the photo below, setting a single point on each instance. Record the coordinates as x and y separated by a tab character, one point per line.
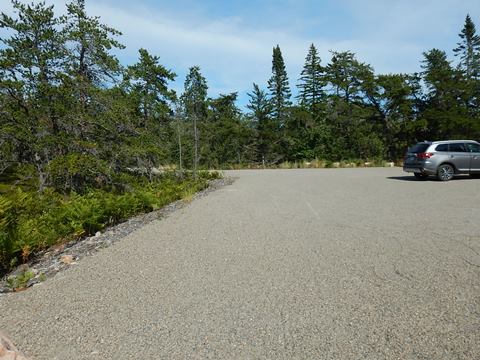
19	281
318	164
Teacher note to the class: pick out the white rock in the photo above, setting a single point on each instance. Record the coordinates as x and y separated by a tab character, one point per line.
66	259
8	351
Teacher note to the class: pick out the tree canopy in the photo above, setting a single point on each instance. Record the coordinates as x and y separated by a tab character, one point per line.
72	116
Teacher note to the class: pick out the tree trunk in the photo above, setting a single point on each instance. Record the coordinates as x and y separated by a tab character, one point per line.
179	146
195	160
42	176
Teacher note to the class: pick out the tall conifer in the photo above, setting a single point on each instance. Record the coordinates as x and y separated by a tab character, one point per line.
312	81
194	99
278	85
469	49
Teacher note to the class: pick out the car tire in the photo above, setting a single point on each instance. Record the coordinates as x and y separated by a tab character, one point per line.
420	176
445	172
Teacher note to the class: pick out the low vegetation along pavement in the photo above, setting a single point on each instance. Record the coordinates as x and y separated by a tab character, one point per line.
31	221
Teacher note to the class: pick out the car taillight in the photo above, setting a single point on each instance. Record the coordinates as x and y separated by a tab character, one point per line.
424	155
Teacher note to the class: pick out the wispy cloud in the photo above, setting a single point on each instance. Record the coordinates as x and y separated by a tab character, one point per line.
229	52
232	41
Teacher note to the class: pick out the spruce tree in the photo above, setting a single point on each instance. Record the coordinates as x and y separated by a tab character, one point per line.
311	82
261	109
469	49
438	74
227	136
194	100
279	88
444	111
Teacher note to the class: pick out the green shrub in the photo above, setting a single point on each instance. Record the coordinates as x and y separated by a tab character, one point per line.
78	172
30	221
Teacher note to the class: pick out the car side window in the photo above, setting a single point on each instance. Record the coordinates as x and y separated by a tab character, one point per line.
456	147
473	147
442	147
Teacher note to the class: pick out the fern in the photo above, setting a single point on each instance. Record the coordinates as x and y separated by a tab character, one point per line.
30	221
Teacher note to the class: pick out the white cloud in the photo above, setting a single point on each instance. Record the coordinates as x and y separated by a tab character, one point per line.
233	52
227	50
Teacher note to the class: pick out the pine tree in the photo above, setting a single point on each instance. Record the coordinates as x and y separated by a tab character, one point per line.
279	88
194	100
444	111
312	81
226	135
148	80
346	75
438	73
90	45
261	109
469	49
31	67
90	66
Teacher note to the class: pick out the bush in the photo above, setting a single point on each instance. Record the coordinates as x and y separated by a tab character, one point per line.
31	221
78	172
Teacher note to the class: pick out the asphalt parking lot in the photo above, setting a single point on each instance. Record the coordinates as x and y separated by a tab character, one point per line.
283	264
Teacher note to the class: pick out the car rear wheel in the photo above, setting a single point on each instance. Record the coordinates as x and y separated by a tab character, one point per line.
445	172
420	176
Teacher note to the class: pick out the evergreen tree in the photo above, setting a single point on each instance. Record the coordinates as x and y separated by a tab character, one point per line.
469	52
348	115
226	135
438	73
194	100
279	88
148	80
346	75
31	69
469	49
90	43
393	98
146	84
259	105
445	108
260	114
312	81
224	107
91	70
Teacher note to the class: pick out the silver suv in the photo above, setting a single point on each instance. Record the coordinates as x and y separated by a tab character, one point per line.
443	159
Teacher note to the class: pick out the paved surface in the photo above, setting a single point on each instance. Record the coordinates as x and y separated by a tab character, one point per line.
296	264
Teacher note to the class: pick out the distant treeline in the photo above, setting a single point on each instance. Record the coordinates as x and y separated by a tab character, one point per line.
71	116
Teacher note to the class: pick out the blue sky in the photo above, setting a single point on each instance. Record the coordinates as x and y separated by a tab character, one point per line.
232	41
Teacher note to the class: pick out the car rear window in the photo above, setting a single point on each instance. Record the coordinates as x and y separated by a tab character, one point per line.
473	147
442	147
457	147
419	148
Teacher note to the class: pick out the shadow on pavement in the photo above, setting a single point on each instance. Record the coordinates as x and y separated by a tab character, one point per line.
431	178
405	178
